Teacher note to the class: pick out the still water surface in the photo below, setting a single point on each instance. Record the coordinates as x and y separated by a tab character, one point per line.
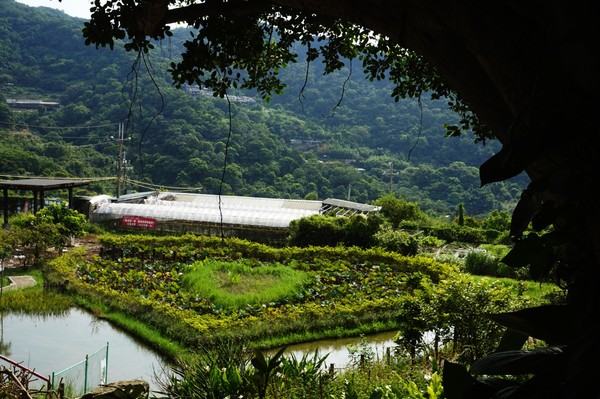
51	344
338	350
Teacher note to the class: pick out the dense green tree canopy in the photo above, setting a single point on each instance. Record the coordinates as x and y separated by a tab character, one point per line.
336	139
523	72
526	70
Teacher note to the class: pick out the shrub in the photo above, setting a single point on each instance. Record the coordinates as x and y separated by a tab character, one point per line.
499	251
410	225
70	222
396	210
316	230
359	230
6	244
497	220
481	262
398	241
51	226
456	233
430	241
320	230
34	235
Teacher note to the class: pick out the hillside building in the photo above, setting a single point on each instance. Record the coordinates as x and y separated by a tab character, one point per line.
31	104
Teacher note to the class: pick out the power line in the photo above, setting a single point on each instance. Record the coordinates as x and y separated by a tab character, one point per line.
161	186
58	127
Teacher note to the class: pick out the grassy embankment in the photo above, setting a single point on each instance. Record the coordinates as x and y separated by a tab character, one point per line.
177	293
274	296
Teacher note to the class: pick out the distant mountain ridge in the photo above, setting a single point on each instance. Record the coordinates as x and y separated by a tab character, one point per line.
363	144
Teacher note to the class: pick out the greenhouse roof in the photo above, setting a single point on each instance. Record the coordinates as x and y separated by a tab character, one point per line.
226	209
233	210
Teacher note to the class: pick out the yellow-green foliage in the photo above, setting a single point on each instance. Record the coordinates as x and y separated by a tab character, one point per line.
195	247
194	289
34	301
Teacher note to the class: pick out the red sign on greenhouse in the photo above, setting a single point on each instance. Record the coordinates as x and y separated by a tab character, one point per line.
136	221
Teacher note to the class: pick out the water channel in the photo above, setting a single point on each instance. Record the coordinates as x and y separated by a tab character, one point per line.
51	344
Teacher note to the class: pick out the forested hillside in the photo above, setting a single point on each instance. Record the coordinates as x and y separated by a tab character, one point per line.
336	136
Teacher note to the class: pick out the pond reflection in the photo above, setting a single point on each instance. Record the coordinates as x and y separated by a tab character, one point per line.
52	343
337	350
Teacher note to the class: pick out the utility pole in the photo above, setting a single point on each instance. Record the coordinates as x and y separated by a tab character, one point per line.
124	160
391	174
1	278
120	140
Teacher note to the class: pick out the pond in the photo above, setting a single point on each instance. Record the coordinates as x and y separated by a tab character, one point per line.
52	344
338	350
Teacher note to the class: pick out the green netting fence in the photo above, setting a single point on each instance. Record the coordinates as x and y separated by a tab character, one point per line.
85	375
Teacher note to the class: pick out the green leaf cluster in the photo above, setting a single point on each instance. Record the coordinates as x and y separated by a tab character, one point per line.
350	287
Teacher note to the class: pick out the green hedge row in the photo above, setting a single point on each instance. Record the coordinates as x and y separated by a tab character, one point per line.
188	328
193	247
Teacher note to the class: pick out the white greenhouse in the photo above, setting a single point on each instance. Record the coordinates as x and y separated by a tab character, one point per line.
262	219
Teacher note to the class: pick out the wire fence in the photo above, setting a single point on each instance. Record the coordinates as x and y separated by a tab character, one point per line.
85	375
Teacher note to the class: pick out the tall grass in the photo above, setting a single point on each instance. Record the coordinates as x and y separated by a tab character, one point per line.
481	262
537	292
230	369
34	300
235	285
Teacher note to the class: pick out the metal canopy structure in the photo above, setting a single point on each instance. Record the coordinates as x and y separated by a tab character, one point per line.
38	186
332	206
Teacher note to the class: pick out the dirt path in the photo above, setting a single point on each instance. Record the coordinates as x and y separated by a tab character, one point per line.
90	241
20	282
